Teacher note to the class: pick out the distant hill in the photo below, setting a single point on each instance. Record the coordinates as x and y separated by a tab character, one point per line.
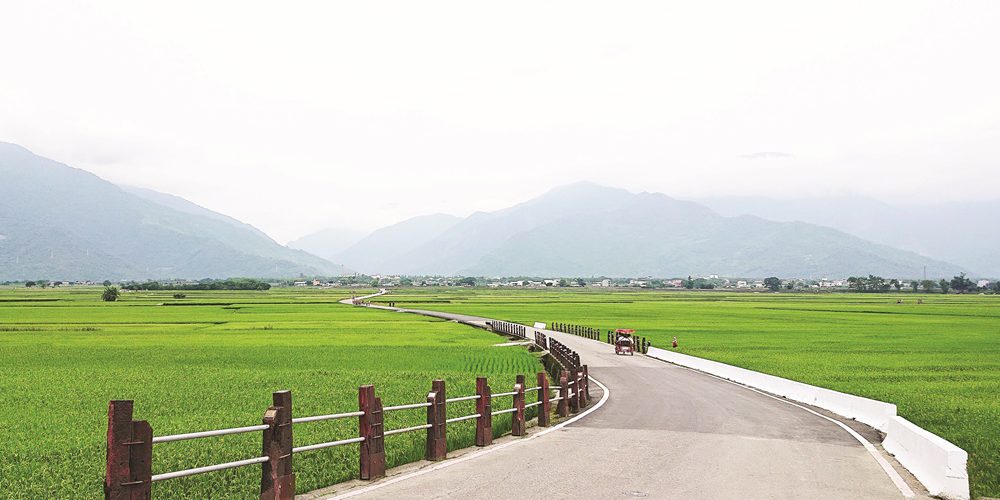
58	222
959	232
585	229
386	250
328	243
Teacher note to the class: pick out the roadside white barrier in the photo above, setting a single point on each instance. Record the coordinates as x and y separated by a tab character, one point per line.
874	413
938	464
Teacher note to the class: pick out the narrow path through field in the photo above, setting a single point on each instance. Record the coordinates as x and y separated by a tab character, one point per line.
664	432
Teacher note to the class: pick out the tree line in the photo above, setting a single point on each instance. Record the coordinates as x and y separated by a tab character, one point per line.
958	284
226	284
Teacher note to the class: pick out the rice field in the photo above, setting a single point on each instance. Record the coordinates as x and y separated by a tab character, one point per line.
938	361
210	361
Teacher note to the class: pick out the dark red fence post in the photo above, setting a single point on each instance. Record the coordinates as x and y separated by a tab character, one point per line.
484	423
574	398
586	384
517	427
277	481
437	433
370	428
581	385
119	433
562	408
128	472
543	397
141	460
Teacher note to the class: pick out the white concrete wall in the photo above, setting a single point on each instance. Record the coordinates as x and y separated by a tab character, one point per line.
938	464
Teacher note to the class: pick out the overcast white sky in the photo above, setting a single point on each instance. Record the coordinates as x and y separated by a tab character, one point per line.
295	115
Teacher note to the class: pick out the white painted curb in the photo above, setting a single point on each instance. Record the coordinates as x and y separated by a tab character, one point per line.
938	464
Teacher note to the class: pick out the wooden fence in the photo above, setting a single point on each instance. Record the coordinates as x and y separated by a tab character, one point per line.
595	334
130	442
541	341
508	328
578	330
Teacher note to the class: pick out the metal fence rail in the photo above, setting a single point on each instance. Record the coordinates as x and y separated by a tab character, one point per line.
319	418
462	419
408	429
330	444
463	398
205	434
208	468
406	407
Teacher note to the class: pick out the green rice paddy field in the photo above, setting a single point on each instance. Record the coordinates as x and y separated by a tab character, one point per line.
939	361
211	361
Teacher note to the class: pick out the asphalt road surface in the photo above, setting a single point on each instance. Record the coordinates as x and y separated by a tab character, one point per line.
664	432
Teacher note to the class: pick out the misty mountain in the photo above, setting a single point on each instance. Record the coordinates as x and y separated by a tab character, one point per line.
584	229
386	249
959	232
328	242
58	222
182	205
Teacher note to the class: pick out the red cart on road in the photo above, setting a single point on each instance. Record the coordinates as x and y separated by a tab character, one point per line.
624	343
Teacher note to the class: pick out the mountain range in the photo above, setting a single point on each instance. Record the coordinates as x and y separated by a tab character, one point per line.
58	222
962	232
585	229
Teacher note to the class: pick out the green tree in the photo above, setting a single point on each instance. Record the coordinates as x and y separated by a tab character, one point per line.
772	283
581	282
406	282
856	283
703	284
914	285
106	283
896	284
944	285
467	281
961	284
877	283
110	294
689	283
995	286
927	285
563	283
29	284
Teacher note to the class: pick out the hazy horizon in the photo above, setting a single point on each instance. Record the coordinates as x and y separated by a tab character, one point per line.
362	115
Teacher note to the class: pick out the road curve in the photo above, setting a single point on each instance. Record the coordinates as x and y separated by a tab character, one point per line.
664	432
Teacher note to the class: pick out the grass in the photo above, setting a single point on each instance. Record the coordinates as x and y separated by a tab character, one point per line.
939	361
211	361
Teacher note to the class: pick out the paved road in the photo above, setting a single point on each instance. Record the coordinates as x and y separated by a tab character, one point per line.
664	432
